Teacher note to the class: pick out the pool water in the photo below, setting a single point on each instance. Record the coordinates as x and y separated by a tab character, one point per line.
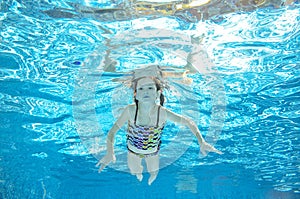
57	102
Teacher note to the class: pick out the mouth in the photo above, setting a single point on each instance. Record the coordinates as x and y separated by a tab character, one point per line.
146	96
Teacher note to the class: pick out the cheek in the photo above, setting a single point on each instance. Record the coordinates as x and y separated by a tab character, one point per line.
138	94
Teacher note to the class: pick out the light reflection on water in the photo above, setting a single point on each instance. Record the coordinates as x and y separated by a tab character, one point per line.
256	54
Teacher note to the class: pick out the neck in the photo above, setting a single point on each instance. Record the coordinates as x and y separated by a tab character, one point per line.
146	106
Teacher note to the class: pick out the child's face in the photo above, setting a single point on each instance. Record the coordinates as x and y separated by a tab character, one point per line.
146	90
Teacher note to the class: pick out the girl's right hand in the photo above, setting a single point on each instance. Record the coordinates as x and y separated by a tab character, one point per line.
105	161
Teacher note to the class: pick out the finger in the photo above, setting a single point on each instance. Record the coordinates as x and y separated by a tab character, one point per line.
219	152
216	151
99	163
203	152
101	168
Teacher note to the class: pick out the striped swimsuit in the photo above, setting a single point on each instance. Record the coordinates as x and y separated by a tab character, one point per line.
144	141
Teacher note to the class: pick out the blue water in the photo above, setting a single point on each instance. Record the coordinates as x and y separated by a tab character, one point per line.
50	80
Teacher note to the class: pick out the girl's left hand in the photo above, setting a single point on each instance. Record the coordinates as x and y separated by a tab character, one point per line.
205	147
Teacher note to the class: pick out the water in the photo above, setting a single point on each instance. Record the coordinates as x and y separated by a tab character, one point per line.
49	76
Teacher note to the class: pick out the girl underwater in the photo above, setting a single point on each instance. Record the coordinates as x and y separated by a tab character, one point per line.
146	119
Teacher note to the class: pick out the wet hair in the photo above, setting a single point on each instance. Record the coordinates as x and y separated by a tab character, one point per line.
157	85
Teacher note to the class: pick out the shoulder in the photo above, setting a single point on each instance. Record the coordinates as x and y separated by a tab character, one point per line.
162	114
165	110
175	117
131	111
127	111
131	108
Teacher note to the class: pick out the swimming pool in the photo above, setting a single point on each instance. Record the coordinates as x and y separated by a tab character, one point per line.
52	91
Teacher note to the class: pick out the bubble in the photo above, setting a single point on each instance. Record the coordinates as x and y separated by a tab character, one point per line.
78	63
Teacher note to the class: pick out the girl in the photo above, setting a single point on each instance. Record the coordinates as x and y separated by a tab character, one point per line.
146	121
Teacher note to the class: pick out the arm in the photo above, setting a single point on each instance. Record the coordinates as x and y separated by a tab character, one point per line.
110	155
115	128
186	122
204	146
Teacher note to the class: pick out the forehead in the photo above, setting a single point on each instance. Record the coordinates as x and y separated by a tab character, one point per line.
145	82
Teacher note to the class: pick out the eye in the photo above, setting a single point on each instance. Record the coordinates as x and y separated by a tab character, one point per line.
150	88
140	88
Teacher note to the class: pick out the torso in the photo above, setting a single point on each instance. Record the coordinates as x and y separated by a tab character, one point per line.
144	121
143	136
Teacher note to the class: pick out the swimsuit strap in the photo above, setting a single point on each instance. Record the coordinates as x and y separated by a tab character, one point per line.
157	116
136	111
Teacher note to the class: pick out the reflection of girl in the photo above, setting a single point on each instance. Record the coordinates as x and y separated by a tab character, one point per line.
146	121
